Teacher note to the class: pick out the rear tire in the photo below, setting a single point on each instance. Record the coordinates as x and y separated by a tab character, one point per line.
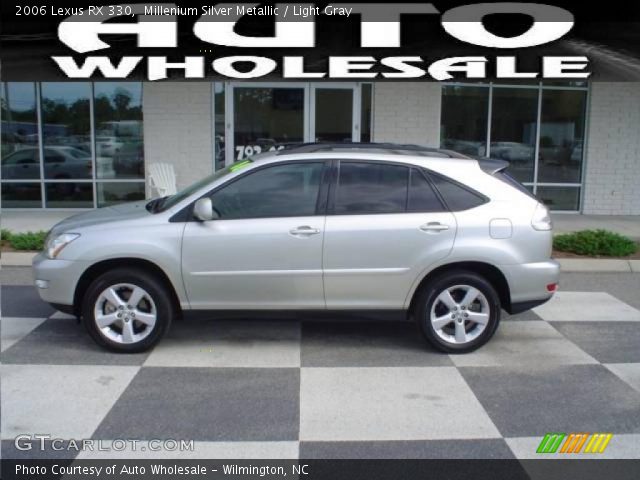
458	312
127	310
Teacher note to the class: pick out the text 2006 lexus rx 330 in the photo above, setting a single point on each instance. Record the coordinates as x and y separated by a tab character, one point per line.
448	239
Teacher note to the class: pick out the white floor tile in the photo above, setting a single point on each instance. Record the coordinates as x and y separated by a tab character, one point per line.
586	307
390	404
525	343
62	401
14	329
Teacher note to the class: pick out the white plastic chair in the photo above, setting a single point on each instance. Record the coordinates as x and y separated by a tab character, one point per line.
162	179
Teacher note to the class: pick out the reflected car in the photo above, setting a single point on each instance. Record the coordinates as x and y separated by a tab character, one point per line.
60	162
512	151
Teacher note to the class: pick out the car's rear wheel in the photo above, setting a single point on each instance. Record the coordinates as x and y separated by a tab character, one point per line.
127	310
458	312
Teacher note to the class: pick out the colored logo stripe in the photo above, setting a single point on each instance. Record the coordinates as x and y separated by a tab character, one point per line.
598	443
550	443
573	443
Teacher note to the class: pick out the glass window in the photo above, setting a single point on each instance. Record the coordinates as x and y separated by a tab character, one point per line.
110	193
266	119
20	157
21	195
69	195
422	198
334	114
561	136
513	129
66	130
560	198
366	113
219	109
457	198
464	119
371	188
118	136
288	190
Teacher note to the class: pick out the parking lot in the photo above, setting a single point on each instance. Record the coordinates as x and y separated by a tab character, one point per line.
287	388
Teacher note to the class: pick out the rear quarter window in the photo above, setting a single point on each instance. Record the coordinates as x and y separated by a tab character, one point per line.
458	197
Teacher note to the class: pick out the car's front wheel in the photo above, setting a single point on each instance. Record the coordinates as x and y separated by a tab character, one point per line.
127	310
458	312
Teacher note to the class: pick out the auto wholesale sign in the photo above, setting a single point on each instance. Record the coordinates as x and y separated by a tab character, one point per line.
312	42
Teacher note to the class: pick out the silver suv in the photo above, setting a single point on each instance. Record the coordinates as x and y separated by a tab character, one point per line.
447	239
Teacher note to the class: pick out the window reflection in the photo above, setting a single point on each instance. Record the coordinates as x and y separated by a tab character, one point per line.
464	119
66	130
110	193
561	136
20	157
118	117
21	195
267	119
69	195
219	109
513	129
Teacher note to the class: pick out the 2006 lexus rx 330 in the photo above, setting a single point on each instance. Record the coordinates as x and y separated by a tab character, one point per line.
448	239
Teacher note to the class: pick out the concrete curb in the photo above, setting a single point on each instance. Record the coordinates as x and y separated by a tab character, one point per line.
23	259
597	265
16	259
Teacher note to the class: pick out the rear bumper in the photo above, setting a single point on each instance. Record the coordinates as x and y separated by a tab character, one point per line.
528	283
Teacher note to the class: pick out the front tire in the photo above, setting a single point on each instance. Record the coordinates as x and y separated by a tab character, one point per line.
458	312
127	310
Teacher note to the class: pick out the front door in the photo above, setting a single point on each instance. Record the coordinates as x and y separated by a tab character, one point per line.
265	250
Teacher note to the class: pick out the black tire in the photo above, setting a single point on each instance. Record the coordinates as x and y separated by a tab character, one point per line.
165	309
430	292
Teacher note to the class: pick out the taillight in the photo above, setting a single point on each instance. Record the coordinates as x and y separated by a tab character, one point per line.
552	287
541	218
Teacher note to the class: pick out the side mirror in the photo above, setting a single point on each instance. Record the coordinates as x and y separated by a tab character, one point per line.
203	210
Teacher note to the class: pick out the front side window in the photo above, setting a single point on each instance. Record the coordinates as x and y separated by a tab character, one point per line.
289	190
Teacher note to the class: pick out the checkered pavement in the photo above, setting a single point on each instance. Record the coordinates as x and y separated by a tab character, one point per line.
326	389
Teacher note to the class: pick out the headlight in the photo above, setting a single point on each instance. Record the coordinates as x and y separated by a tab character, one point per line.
54	245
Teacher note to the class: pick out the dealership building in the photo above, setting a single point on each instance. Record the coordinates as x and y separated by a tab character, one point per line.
79	145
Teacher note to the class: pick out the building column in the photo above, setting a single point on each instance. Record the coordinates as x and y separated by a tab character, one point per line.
613	150
407	112
178	128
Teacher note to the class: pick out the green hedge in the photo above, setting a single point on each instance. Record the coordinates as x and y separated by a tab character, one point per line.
24	241
594	243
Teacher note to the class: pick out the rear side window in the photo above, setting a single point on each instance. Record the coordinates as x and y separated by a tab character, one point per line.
456	196
371	188
422	198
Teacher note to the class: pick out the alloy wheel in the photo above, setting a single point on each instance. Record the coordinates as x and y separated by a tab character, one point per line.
125	313
460	314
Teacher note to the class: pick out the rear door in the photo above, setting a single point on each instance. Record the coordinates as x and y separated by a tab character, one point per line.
384	226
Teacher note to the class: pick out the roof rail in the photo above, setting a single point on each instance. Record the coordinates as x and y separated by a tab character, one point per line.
397	148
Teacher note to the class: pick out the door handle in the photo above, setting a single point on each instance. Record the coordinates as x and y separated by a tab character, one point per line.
304	230
434	227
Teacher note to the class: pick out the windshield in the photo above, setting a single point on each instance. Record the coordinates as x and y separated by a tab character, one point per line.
169	202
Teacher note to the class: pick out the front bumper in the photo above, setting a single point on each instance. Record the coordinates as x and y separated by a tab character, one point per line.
56	279
528	283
